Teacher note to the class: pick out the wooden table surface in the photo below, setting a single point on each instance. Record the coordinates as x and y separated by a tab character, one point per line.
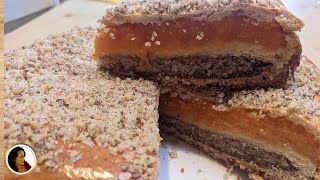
85	12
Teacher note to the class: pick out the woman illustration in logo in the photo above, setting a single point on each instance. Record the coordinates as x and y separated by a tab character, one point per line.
16	160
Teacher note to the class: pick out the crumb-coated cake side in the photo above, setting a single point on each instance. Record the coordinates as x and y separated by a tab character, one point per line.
236	44
81	122
272	133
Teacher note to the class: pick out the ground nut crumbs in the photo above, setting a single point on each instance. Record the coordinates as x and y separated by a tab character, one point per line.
198	37
157	43
148	44
73	101
173	154
298	97
154	34
112	36
163	11
74	156
220	107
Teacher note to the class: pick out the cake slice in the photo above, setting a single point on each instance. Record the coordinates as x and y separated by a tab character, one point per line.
201	44
81	123
274	134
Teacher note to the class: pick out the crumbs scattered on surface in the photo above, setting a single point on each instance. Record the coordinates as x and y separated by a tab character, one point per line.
298	97
182	170
198	37
220	107
154	34
201	34
173	154
111	35
74	156
148	44
55	92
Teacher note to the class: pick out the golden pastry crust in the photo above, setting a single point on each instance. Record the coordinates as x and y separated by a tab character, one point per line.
79	161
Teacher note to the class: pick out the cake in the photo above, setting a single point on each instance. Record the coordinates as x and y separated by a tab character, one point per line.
201	44
272	134
82	123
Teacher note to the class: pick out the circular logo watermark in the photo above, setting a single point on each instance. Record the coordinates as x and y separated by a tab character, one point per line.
21	159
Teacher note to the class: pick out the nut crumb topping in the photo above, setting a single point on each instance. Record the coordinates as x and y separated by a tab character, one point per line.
173	154
154	34
55	92
198	37
298	96
148	44
142	11
111	35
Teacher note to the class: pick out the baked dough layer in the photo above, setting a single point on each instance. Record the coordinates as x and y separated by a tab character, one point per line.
137	42
284	121
234	151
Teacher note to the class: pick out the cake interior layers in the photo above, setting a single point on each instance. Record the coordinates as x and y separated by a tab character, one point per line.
185	36
222	144
234	152
224	67
236	47
277	132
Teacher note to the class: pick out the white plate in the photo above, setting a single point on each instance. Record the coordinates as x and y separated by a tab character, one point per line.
195	164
